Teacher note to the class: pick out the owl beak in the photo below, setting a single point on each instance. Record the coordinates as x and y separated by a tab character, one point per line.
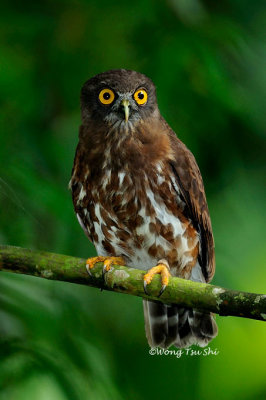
125	104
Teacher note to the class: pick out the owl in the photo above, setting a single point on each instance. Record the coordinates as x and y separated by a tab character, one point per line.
138	195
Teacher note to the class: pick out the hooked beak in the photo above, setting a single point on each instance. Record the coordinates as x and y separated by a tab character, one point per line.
125	104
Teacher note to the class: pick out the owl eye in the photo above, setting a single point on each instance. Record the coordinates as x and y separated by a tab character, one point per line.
106	96
141	97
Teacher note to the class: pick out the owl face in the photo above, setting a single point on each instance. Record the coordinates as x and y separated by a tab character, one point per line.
118	98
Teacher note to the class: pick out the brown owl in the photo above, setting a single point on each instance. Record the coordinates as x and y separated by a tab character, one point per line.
139	197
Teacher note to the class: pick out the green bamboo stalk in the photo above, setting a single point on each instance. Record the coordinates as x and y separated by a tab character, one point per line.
127	280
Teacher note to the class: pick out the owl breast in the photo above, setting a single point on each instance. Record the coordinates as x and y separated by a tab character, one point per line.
141	218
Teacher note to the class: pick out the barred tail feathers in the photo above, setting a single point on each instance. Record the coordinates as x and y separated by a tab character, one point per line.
172	325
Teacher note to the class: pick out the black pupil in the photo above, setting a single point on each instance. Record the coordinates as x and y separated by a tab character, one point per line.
141	95
106	96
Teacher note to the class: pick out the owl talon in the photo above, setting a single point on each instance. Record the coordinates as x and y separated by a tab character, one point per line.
107	266
161	268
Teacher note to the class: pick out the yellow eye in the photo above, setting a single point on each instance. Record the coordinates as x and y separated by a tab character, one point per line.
106	96
141	97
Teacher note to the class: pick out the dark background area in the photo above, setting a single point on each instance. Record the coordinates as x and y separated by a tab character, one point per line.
207	59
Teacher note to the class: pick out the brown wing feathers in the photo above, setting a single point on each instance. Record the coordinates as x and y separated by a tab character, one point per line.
190	182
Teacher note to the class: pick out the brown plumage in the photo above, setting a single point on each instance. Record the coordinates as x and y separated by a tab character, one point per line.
138	194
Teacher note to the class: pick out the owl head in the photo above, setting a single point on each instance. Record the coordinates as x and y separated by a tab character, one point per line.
118	98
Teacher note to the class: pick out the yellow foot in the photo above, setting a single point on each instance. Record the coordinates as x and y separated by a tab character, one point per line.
161	268
107	262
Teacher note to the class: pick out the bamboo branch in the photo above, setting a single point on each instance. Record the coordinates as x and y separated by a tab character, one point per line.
127	280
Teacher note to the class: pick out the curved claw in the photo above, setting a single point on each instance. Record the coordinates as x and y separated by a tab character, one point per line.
145	288
88	270
162	290
106	268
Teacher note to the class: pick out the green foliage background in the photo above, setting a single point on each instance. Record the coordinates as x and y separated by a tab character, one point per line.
60	341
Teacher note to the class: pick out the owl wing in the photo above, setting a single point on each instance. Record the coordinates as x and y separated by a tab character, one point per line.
189	181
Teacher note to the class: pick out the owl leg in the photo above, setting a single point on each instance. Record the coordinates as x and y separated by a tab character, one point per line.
107	262
161	268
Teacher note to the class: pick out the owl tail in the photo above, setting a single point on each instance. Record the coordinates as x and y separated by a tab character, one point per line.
172	325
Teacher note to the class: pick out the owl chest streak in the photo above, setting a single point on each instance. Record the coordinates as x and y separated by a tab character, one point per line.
141	219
